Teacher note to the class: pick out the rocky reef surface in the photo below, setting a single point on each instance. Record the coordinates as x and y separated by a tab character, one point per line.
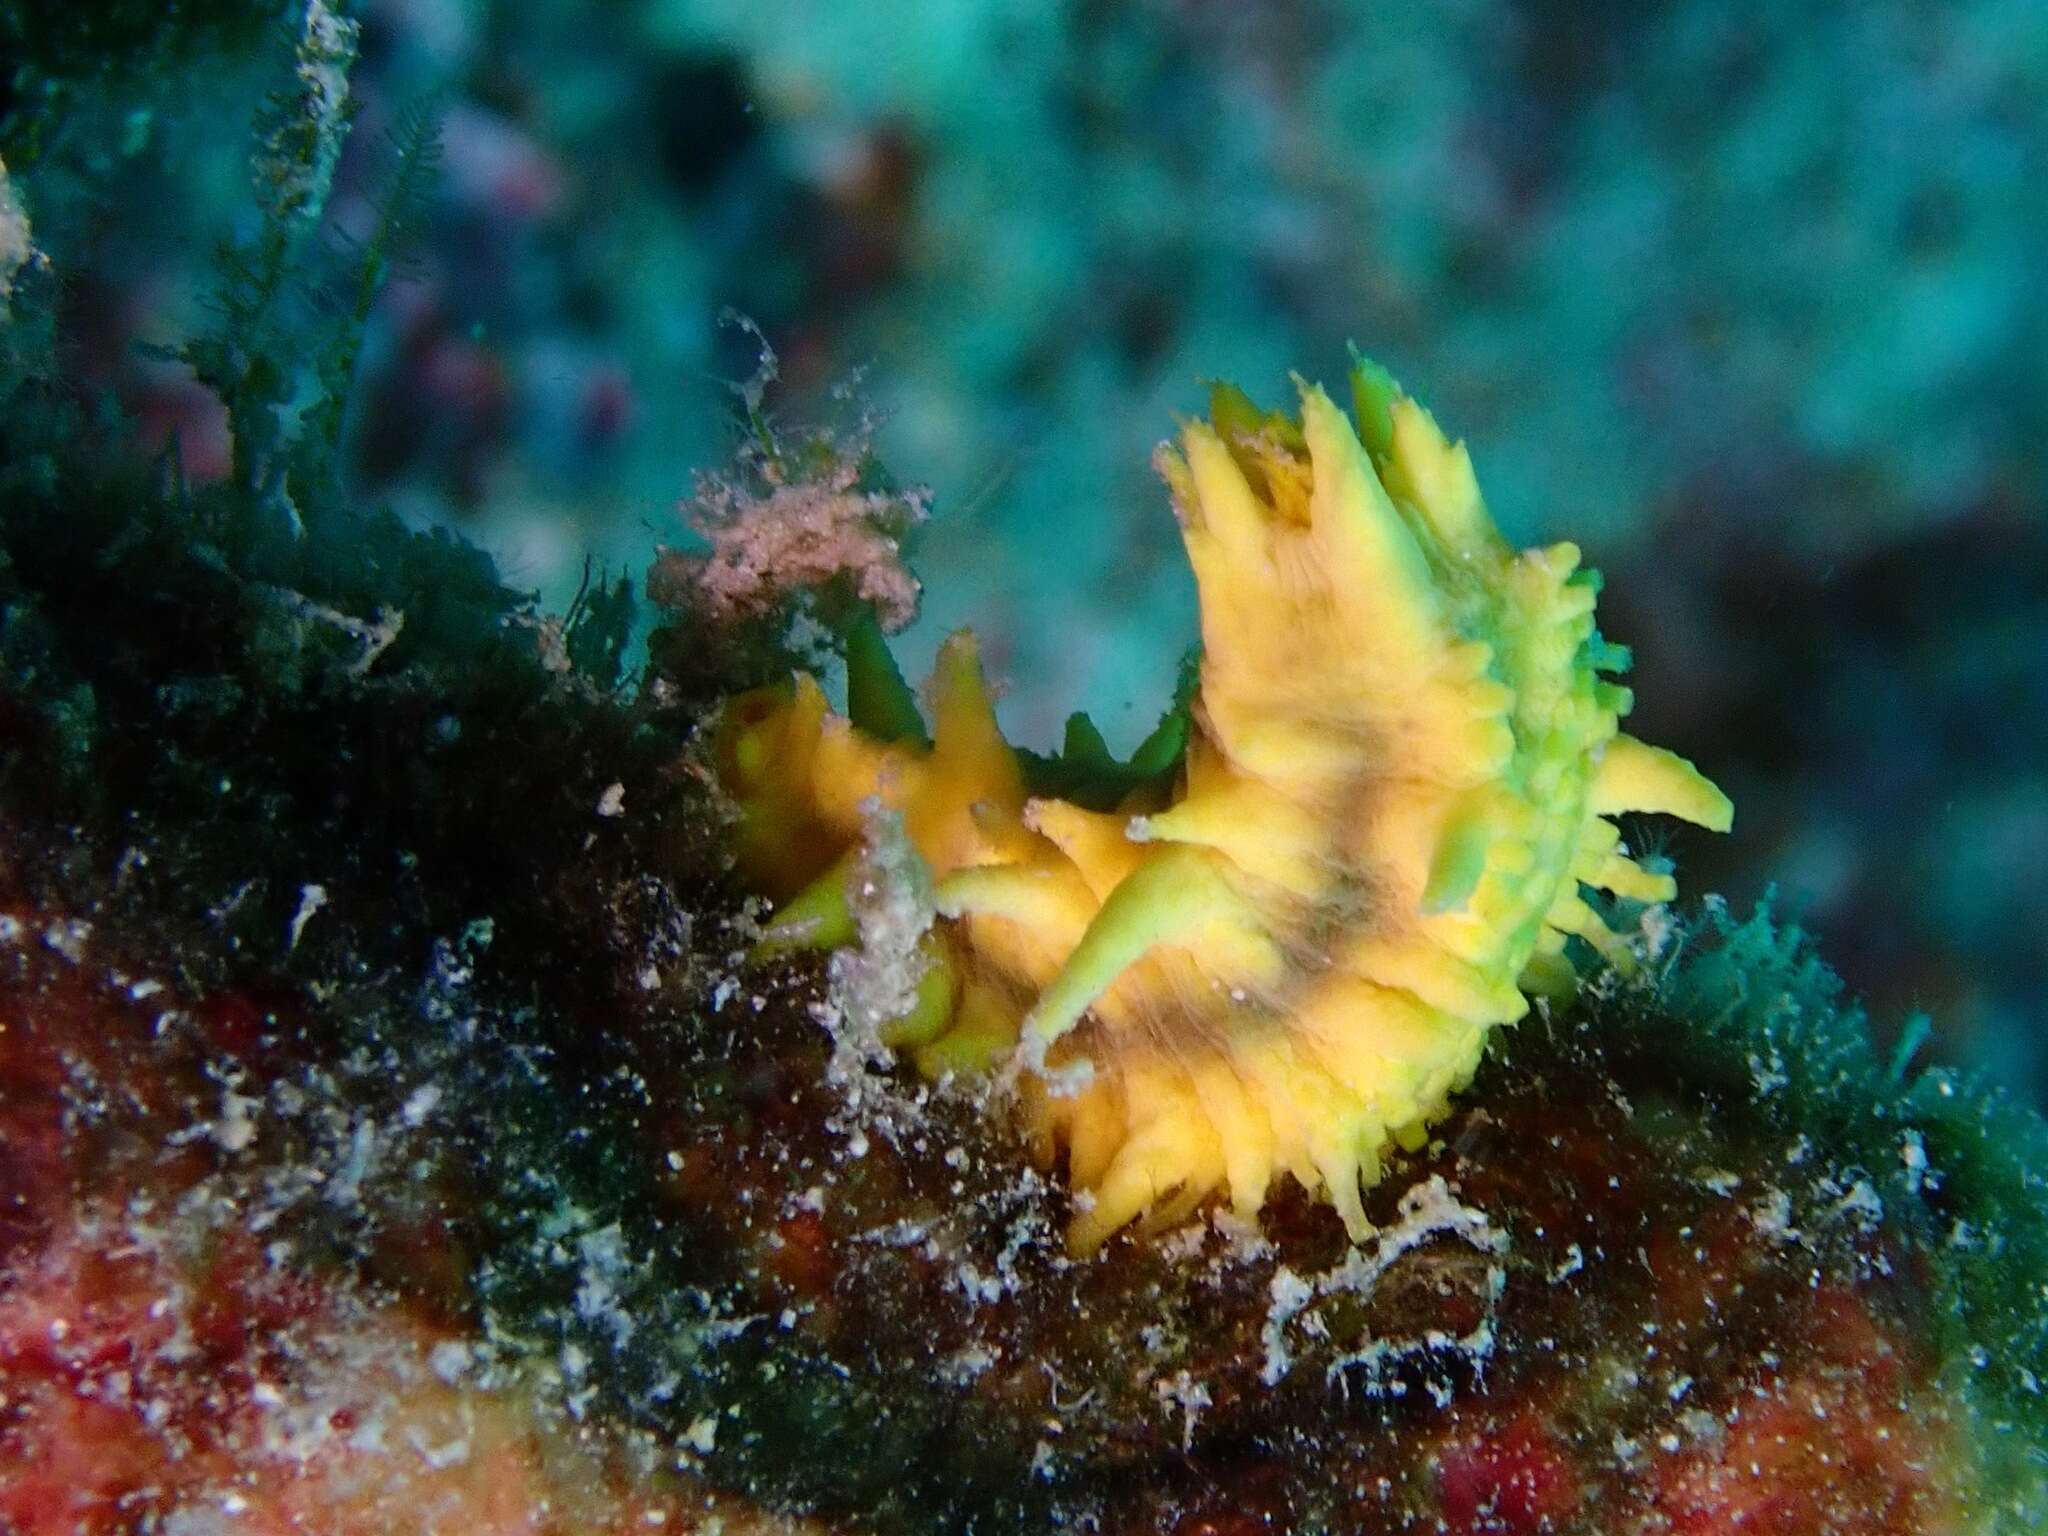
396	1134
398	1137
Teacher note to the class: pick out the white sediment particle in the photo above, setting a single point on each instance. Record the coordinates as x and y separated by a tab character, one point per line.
718	1329
965	1364
67	937
613	801
604	1267
1913	1154
1068	1080
1702	1426
977	1287
1772	1217
235	1129
898	1234
574	1361
451	1453
1288	1293
375	635
1862	1204
449	1360
419	1104
875	981
346	1186
1767	1072
1426	1209
1656	928
1183	1391
1247	1243
1573	1261
311	899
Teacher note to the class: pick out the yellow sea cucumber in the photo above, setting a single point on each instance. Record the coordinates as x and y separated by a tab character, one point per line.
1281	949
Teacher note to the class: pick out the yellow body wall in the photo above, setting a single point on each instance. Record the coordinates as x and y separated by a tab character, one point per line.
1399	785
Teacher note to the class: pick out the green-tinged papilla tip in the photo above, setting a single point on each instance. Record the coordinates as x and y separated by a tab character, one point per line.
817	917
982	1036
1373	393
1258	440
1236	416
938	991
1603	655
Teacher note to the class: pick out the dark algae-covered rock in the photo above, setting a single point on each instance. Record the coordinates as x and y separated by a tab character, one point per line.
453	1078
407	1127
502	1185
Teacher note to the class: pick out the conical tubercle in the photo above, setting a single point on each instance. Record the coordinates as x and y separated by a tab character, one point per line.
1179	896
1372	552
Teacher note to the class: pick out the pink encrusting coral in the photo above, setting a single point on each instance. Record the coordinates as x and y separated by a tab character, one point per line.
793	519
798	518
795	535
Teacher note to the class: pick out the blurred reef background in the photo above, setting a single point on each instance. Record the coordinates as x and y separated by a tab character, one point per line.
1745	298
406	1122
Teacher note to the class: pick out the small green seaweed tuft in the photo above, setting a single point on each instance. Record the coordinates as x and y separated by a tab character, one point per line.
1087	773
268	305
878	700
598	628
413	146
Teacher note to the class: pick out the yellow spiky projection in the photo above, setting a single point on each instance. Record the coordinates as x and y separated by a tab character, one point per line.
1399	775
